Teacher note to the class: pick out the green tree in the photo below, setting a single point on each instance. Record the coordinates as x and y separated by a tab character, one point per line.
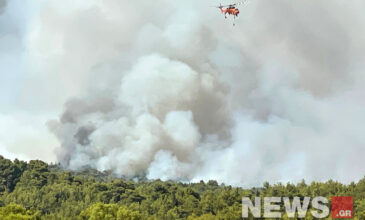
13	211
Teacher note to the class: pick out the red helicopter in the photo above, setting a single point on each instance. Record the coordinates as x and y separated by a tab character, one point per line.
230	10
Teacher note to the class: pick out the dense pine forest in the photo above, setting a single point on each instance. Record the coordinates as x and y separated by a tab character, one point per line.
37	190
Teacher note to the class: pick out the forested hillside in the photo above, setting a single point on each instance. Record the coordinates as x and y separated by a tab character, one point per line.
37	190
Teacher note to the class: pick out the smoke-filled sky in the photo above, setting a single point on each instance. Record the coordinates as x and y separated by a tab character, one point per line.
171	90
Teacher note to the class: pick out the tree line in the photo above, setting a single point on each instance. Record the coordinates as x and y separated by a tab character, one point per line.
37	190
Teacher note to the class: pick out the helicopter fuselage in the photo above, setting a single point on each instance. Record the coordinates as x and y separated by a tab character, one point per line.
231	11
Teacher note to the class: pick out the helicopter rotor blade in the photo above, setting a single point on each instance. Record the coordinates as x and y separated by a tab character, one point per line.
238	3
231	5
221	6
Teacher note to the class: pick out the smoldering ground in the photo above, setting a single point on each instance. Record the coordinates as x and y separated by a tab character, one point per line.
170	90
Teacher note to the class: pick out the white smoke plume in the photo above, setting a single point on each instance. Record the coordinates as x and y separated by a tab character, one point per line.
171	90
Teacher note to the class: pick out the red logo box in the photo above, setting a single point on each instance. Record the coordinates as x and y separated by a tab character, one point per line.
342	207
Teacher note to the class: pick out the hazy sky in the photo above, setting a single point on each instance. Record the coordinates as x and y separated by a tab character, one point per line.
171	90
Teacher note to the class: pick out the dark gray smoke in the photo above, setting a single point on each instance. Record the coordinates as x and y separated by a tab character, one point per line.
2	5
